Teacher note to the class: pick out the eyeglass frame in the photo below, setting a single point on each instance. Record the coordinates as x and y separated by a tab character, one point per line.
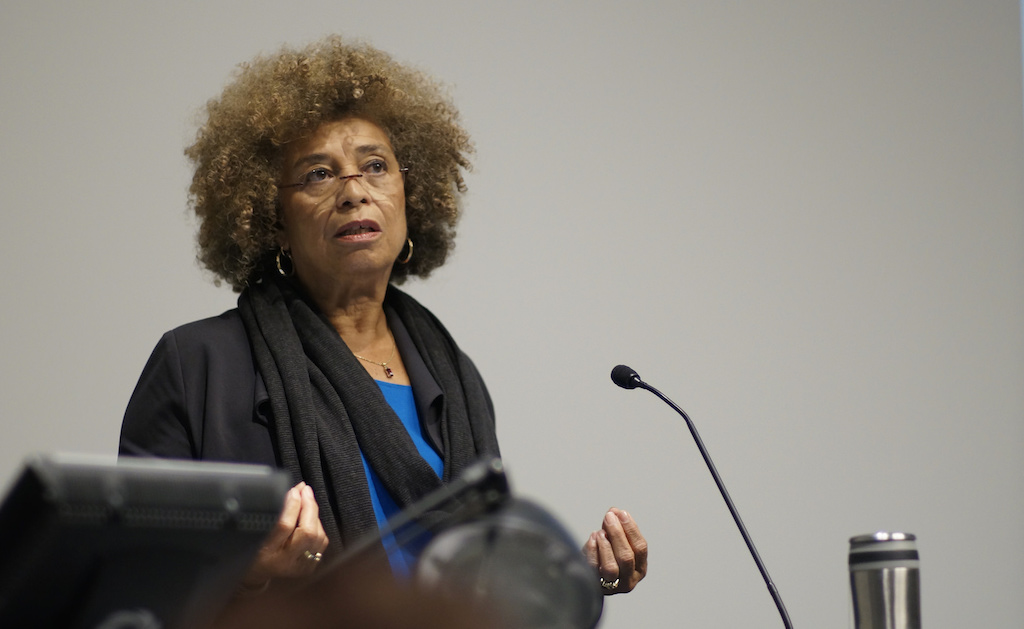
341	179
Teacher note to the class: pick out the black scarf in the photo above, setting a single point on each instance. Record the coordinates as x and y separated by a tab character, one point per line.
326	407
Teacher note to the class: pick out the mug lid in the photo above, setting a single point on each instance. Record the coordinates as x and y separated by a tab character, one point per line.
883	536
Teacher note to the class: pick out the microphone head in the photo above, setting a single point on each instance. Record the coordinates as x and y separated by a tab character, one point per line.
625	377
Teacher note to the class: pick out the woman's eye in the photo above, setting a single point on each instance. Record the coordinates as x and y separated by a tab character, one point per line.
376	167
317	175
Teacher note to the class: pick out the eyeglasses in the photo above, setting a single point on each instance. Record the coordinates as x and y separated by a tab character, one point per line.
322	181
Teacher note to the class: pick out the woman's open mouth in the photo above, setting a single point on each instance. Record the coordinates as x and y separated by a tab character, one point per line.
357	230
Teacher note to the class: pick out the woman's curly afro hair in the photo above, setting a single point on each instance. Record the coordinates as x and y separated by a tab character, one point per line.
279	98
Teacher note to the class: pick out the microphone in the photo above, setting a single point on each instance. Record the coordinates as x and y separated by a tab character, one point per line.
626	378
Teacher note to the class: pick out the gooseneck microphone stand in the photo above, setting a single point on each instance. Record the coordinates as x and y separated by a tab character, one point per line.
626	378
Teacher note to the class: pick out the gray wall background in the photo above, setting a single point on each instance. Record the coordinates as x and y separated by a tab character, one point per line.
802	220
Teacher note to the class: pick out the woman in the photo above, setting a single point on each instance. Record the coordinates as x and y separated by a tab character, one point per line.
323	177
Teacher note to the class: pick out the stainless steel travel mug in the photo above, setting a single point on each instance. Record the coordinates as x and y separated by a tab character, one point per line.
886	581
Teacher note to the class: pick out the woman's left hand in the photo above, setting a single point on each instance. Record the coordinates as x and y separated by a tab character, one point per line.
619	552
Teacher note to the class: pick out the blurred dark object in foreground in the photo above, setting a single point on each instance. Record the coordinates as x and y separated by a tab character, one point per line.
521	563
141	543
368	597
158	544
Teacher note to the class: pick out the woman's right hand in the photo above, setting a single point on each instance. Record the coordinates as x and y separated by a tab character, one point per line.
294	545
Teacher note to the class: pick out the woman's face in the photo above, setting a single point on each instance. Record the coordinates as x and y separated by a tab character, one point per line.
346	223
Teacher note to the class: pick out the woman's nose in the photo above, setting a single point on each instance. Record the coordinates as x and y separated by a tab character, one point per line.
351	191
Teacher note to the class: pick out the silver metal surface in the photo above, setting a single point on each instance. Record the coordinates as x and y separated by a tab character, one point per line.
885	581
887	598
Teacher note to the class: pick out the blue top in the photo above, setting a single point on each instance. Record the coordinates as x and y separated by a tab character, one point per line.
400	398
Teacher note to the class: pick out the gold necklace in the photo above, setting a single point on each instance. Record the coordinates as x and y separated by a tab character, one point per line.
387	370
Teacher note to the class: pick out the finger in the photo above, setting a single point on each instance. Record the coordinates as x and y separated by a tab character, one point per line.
306	533
590	550
607	566
621	548
288	518
309	522
636	540
309	515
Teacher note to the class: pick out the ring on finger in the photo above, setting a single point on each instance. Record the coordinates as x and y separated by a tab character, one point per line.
609	585
315	557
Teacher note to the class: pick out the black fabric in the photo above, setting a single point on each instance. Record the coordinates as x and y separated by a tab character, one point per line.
198	398
327	408
427	393
201	397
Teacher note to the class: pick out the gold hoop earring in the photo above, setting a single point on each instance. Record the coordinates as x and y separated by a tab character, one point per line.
283	254
408	256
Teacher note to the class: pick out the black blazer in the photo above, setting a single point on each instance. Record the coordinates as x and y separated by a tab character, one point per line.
201	397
